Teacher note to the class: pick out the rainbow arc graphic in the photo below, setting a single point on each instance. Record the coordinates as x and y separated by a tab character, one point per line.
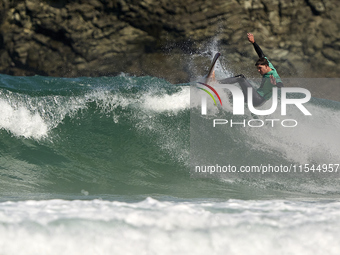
209	93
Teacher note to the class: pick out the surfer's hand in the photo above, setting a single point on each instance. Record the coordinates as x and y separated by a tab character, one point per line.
272	80
251	37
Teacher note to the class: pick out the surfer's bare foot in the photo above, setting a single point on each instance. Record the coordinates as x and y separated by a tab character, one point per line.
212	76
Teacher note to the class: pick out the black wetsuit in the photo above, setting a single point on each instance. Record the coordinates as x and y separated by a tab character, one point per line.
263	93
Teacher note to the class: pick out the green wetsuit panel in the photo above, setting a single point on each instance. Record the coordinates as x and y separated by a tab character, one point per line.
266	86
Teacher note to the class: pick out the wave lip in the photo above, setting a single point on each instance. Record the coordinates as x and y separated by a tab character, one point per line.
21	122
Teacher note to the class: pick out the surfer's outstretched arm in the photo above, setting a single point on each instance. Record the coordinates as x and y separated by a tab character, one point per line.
256	46
258	50
264	61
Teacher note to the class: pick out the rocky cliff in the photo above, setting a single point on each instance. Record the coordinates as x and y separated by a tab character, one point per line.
167	38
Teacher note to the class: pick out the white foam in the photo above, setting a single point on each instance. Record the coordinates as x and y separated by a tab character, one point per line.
175	102
35	117
315	139
155	227
21	122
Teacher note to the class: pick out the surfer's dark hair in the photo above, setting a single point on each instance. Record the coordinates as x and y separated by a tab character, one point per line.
262	61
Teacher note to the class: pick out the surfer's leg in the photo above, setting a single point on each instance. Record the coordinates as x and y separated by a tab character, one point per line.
257	98
231	80
244	84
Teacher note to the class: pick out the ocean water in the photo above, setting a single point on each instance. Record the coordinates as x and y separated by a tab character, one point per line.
101	166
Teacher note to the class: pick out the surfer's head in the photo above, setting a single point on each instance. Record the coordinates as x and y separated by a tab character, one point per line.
262	65
262	61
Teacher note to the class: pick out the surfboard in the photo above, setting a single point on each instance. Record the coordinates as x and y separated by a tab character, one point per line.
211	69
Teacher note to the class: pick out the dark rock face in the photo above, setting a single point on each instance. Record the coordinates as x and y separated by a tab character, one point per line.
165	38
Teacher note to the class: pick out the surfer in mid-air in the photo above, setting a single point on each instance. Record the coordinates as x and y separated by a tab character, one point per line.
270	77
